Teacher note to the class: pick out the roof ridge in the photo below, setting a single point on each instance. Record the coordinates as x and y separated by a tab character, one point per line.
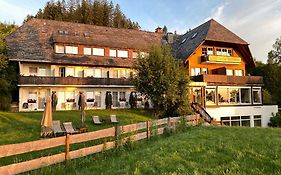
93	25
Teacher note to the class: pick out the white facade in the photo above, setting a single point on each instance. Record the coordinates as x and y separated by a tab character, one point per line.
265	112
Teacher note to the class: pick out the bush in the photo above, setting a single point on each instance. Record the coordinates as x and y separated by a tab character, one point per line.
275	120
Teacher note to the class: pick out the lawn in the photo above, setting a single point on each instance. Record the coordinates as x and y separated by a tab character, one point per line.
200	150
25	126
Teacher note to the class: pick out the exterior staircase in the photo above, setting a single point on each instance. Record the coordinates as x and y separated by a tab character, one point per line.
204	114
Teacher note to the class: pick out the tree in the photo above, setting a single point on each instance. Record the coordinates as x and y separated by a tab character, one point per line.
274	56
97	12
8	76
165	81
165	29
108	100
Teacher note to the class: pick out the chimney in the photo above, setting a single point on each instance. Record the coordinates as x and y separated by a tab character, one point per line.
158	30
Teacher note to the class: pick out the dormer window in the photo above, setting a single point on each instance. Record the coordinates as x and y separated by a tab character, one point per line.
112	53
59	48
98	51
122	53
71	50
135	54
210	51
86	35
87	51
62	32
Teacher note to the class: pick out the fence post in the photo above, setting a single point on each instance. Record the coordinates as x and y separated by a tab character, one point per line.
67	147
169	123
147	130
116	135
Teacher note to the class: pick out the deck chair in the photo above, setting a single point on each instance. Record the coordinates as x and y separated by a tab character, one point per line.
113	119
69	128
57	128
96	120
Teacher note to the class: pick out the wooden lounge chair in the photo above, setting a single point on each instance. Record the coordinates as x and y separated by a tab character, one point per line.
113	119
96	120
57	128
69	128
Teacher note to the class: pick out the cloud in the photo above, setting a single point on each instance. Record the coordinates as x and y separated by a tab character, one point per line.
257	22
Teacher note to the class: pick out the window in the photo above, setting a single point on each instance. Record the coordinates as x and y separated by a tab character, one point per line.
32	70
90	97
195	71
257	95
87	51
210	96
97	73
59	49
238	72
205	71
32	97
122	96
112	53
234	96
115	99
210	51
223	95
122	53
98	99
42	71
224	52
196	95
62	71
229	52
236	121
69	71
257	120
143	54
114	73
135	54
218	51
98	51
245	95
89	72
229	72
69	96
71	49
204	51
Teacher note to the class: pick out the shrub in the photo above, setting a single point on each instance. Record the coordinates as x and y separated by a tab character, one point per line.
275	120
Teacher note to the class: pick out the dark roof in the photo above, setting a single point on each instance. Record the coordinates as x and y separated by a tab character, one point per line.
211	30
34	41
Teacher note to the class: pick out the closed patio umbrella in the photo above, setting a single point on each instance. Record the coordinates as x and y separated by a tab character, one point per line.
46	122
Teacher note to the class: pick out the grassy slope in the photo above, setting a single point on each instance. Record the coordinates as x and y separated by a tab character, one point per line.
25	126
202	150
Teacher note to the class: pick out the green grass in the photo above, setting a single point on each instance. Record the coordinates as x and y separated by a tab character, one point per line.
25	126
200	150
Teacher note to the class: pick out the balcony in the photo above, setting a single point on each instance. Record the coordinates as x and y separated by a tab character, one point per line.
36	80
228	80
220	59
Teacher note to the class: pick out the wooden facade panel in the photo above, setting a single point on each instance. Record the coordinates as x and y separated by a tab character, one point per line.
110	132
20	148
195	62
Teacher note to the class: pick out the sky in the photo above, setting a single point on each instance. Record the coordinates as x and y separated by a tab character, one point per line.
256	21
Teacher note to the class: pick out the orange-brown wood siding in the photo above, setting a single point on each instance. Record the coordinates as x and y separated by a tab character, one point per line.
194	61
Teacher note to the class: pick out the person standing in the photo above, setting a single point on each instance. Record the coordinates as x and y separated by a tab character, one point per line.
81	107
54	101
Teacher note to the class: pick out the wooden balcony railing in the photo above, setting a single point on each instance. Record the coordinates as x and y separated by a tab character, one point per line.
229	80
220	59
37	80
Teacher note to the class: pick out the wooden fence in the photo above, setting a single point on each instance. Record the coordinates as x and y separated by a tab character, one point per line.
143	130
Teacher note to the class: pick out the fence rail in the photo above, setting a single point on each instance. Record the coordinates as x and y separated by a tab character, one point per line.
113	132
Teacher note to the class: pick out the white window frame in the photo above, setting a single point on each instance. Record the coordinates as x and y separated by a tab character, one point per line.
87	51
98	51
59	48
238	72
97	72
229	72
122	53
33	73
112	53
258	89
71	50
210	51
240	95
69	72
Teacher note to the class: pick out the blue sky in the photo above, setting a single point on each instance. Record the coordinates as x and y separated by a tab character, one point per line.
258	22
